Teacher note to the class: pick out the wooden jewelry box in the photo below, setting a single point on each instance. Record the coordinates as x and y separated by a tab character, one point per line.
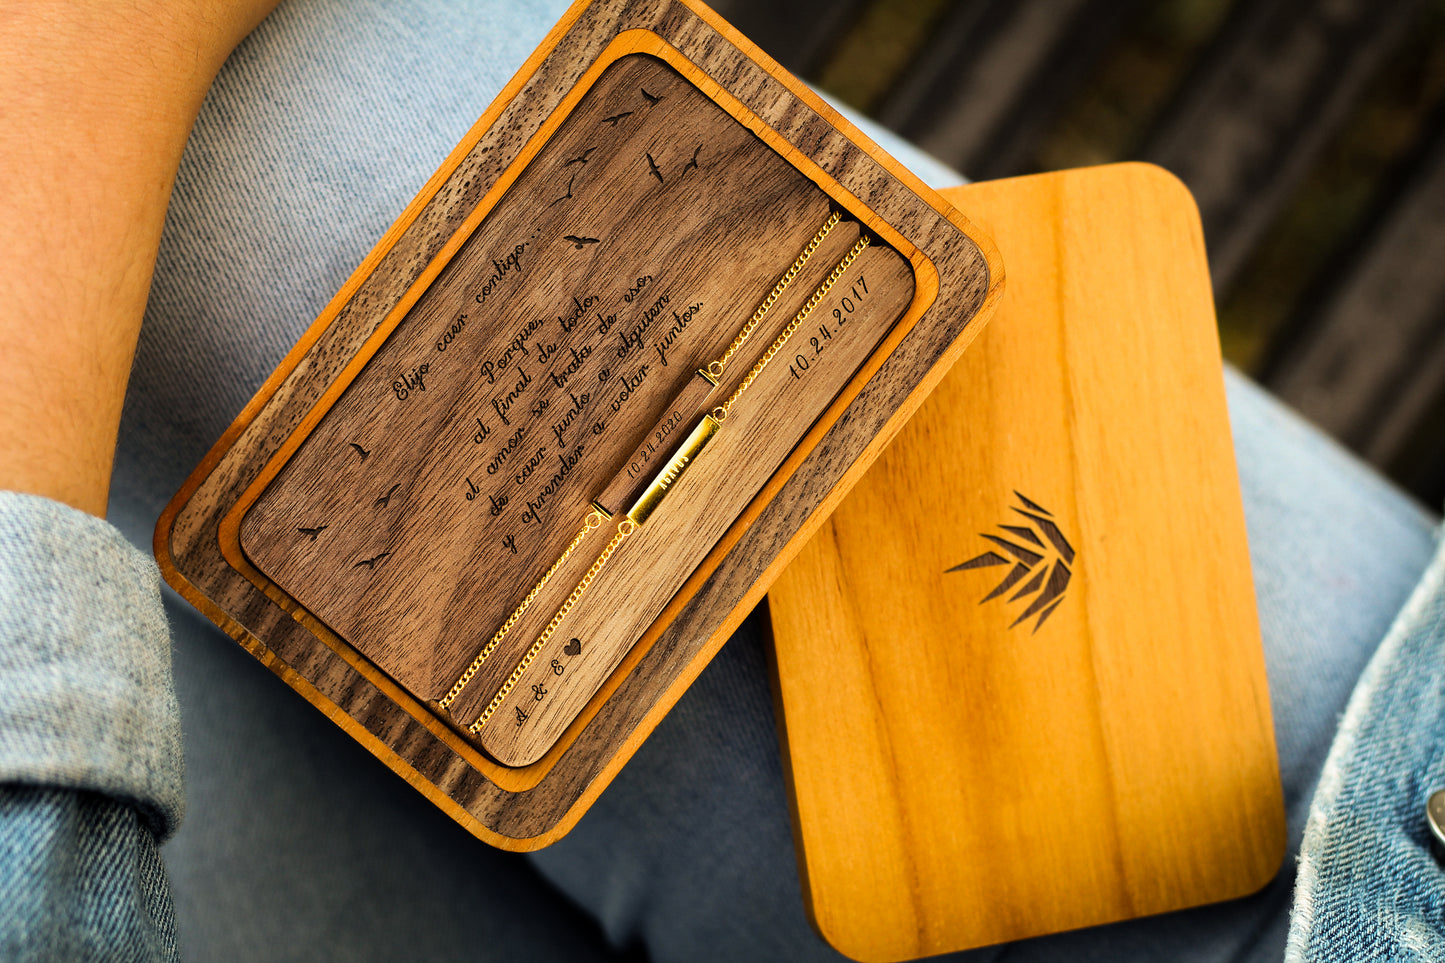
567	421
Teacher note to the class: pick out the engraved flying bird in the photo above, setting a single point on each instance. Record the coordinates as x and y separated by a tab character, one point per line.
370	563
656	171
360	451
385	500
692	164
579	241
580	158
615	119
313	532
650	98
567	196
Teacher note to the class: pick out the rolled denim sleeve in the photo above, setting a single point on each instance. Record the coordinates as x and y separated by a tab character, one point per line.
90	740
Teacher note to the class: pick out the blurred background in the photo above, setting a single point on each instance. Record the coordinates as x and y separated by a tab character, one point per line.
1312	133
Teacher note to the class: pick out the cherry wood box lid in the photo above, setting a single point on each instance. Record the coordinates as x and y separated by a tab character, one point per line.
1019	673
246	539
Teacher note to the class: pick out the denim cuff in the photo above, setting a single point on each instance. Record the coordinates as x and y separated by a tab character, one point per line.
1369	883
86	697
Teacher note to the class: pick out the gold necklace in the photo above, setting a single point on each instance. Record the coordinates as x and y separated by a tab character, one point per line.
623	489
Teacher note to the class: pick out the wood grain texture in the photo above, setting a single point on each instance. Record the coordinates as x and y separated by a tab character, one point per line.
1093	742
197	538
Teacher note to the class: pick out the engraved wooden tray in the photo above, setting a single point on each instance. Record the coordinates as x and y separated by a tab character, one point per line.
513	347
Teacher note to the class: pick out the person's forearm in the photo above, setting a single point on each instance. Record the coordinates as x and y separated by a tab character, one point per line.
96	102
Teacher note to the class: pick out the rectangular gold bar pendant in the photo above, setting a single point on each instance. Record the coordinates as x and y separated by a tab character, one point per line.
666	479
630	481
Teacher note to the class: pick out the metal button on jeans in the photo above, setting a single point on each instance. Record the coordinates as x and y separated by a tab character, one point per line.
1435	816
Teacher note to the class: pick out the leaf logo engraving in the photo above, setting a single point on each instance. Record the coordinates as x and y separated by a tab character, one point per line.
1041	558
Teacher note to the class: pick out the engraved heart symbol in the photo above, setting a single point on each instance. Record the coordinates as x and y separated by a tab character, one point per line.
573	648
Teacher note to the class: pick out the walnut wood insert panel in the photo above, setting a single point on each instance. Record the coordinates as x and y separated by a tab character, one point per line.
434	443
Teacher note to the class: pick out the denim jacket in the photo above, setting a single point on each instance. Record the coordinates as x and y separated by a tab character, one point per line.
1369	884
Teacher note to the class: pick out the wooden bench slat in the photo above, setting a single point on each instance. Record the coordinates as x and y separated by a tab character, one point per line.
1372	362
799	34
1276	84
981	96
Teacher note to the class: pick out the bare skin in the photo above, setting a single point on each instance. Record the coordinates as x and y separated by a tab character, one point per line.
96	101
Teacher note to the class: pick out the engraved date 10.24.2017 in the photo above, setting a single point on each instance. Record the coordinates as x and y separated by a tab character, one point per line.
848	304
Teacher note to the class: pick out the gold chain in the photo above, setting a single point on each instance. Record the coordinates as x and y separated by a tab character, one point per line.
594	520
624	529
721	412
715	368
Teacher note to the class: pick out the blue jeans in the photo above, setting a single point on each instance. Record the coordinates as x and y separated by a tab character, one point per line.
298	844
